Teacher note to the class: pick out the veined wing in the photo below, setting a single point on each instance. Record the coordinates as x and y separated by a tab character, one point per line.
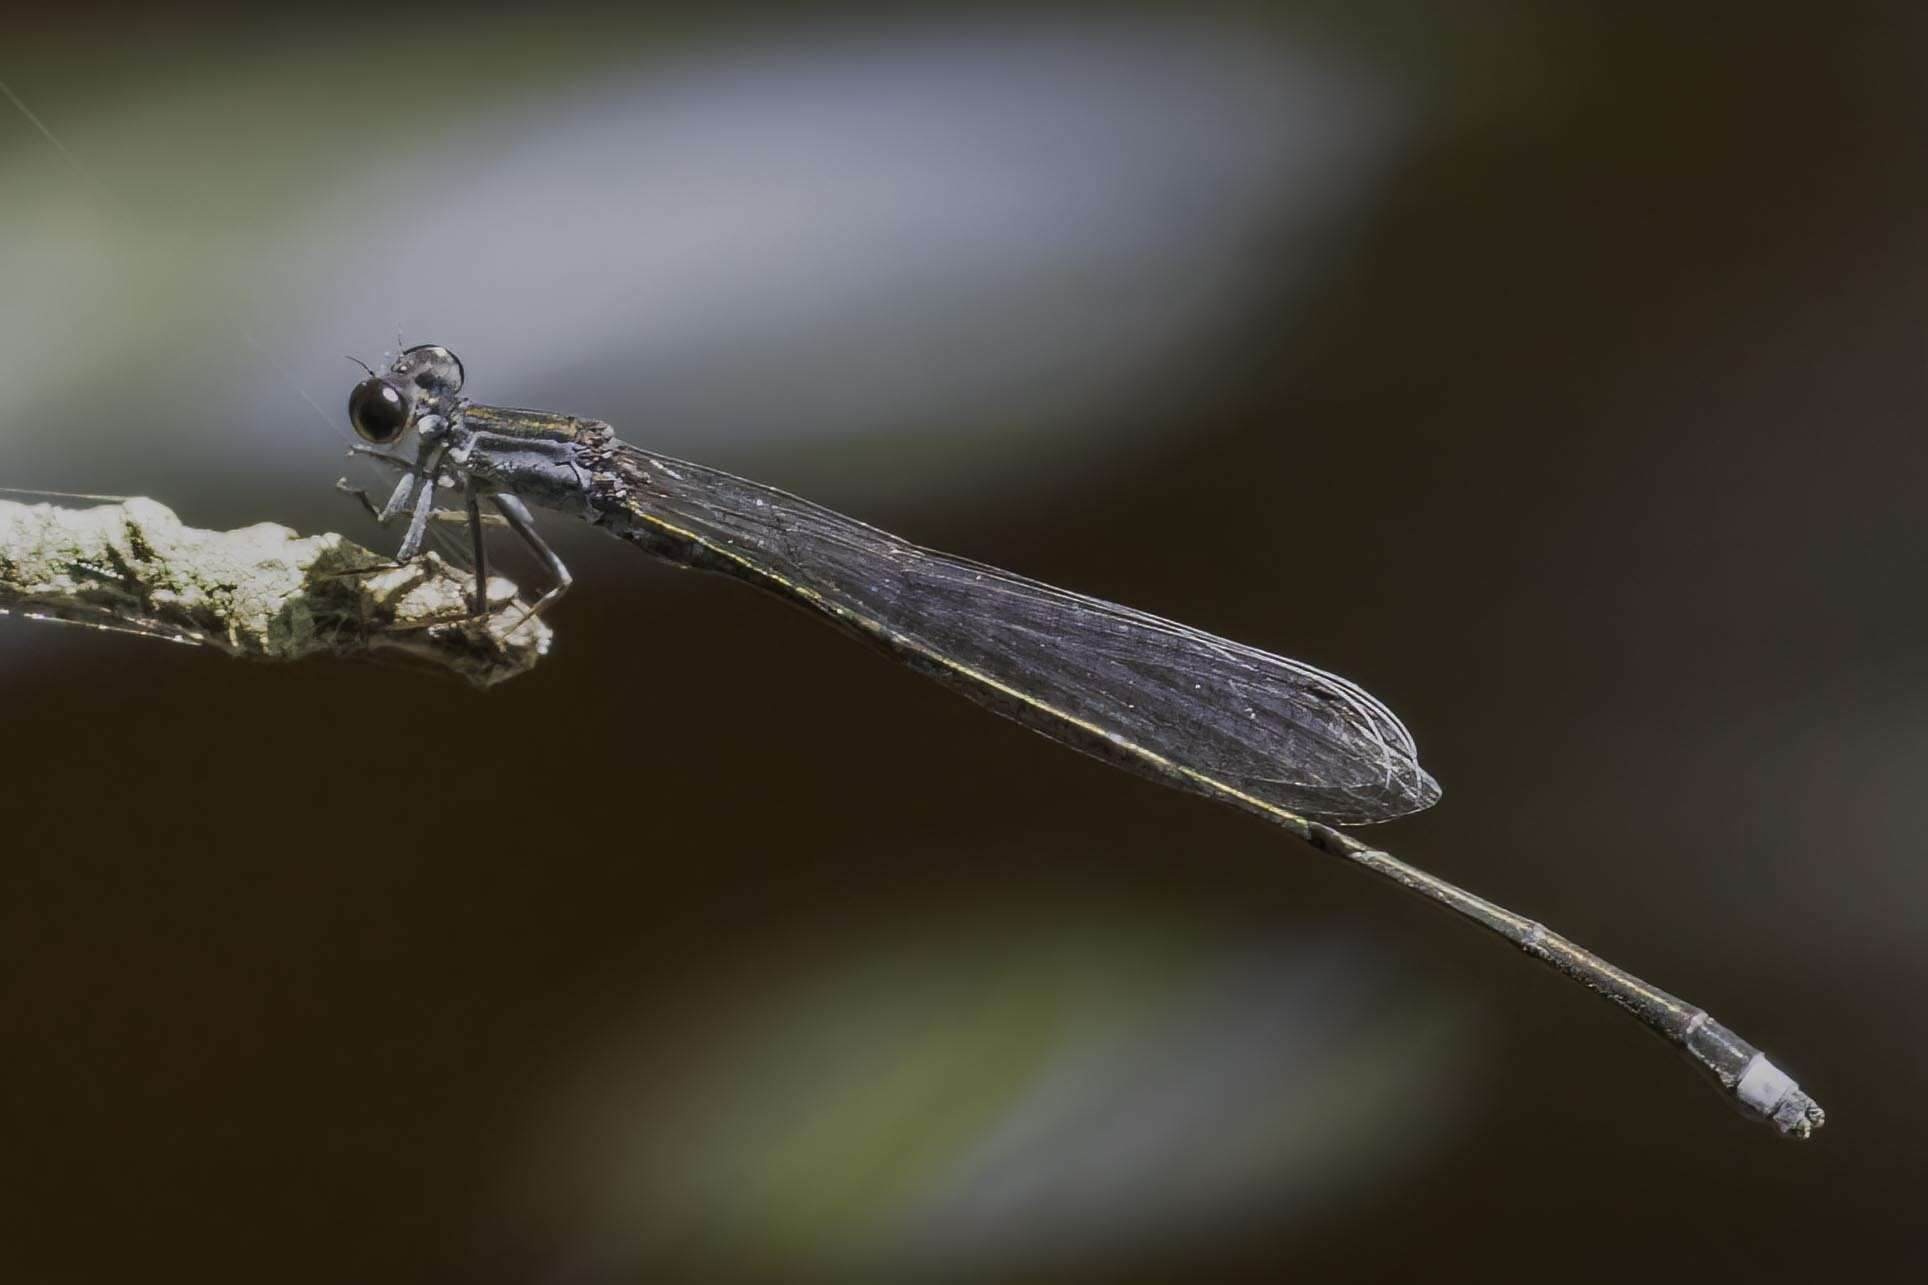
1150	695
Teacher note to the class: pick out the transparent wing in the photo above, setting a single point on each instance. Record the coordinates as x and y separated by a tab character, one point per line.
1150	695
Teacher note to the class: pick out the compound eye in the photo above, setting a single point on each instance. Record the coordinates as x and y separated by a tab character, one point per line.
433	368
378	411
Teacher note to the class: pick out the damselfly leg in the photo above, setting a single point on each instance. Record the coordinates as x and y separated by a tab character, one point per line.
516	514
478	549
512	513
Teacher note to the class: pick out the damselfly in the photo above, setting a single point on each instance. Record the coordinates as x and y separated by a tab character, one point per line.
1295	745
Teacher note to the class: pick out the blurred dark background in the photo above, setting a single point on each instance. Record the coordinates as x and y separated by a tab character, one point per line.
1554	370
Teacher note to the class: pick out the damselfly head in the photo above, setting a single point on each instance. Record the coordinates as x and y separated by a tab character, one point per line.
423	379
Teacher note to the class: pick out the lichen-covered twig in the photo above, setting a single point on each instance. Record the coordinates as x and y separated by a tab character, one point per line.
262	592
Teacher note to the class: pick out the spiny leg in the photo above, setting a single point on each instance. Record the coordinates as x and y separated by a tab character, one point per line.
517	516
478	546
361	495
524	525
513	512
440	515
472	516
422	468
424	505
397	500
424	471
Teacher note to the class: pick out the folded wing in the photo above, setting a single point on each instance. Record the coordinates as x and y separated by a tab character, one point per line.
1155	697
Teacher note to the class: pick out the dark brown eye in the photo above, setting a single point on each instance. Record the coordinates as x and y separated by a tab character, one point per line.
378	411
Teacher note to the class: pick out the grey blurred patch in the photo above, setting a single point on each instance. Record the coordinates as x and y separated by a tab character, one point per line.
987	232
997	1100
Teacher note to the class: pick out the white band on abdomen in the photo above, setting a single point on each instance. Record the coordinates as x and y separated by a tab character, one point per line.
1763	1085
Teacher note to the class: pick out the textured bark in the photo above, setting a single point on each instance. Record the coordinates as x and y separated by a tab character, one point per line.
261	593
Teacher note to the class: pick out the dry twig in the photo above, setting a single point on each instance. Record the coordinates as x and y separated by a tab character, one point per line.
261	592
